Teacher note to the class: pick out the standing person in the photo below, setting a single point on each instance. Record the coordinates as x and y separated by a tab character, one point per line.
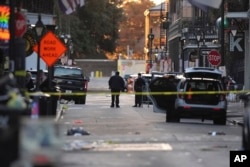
138	87
41	76
116	84
170	101
29	82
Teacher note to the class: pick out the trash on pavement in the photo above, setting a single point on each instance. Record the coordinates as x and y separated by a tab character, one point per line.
214	133
77	145
76	131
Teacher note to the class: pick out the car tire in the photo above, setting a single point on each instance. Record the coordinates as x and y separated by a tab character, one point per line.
220	121
80	100
246	131
171	116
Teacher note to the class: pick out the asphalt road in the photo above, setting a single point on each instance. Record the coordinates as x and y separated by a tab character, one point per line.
128	136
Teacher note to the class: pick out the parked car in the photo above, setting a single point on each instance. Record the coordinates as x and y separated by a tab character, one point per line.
72	82
200	95
34	74
45	87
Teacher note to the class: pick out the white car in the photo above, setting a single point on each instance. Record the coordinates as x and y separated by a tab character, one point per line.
200	95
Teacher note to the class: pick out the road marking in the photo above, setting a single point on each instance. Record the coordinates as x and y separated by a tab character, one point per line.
134	147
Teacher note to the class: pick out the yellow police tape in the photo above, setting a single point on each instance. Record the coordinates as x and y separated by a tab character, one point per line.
21	73
138	93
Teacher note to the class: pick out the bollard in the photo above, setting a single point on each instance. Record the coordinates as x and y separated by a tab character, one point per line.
97	74
92	74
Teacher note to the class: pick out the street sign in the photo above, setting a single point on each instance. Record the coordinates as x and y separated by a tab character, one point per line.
214	58
20	25
51	48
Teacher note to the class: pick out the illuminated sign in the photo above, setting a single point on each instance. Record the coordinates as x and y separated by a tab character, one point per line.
4	22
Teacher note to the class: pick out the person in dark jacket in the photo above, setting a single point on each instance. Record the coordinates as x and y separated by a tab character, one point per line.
170	99
138	87
29	82
116	84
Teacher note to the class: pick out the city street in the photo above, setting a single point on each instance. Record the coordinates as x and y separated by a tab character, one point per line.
129	136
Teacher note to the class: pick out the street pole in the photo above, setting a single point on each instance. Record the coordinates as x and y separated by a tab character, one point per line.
222	33
12	32
199	53
198	37
39	29
38	66
150	37
247	57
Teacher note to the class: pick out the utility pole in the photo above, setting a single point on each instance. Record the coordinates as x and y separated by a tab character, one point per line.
16	47
247	57
222	33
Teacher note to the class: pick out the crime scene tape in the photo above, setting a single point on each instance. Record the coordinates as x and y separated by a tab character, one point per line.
21	73
138	93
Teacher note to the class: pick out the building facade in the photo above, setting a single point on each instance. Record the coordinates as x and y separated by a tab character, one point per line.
191	35
192	32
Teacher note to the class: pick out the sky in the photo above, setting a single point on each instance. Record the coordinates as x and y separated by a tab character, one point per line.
157	2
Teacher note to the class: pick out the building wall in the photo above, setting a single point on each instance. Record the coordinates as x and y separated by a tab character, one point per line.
93	67
98	68
174	53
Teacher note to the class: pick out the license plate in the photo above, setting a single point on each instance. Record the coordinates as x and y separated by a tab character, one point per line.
68	91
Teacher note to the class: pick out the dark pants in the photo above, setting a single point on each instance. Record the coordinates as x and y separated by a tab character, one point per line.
115	97
138	98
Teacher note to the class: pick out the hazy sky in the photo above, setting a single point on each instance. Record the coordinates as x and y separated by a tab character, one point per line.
157	2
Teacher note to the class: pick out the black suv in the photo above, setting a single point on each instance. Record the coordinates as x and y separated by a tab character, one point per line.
72	82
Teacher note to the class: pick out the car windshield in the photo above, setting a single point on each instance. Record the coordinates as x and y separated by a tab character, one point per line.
59	71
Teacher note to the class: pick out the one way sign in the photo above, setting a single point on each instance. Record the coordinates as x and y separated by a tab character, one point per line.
236	43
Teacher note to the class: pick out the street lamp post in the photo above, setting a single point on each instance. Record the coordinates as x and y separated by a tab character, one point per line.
39	30
182	55
198	37
151	38
70	49
68	43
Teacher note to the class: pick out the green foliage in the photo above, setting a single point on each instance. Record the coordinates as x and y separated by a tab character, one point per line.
94	28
